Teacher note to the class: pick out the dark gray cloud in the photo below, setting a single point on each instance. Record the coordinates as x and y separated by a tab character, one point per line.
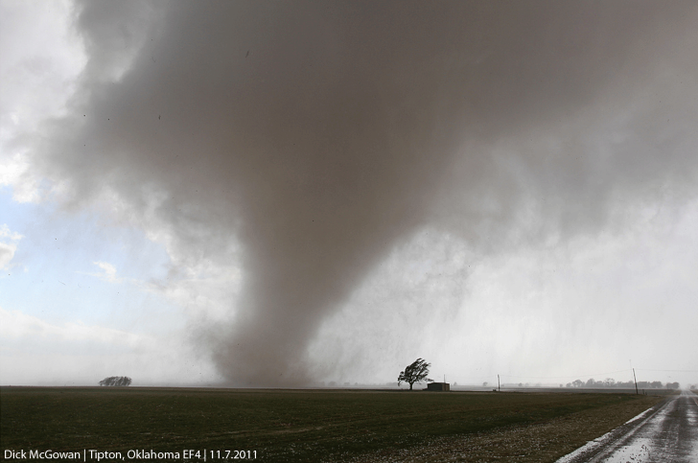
317	135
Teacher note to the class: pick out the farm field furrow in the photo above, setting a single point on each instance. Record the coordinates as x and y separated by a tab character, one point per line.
313	425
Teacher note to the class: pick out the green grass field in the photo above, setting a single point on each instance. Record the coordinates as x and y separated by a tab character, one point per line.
312	425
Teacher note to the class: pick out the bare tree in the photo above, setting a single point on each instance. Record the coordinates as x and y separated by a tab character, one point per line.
415	373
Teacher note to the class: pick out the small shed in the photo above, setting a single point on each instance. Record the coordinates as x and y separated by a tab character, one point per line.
444	387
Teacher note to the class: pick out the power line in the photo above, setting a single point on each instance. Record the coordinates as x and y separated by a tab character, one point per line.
487	377
671	371
569	376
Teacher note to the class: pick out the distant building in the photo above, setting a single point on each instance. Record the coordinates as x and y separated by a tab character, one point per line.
445	387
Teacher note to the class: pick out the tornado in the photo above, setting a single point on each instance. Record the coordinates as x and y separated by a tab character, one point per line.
305	140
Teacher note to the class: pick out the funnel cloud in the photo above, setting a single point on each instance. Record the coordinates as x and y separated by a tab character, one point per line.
304	141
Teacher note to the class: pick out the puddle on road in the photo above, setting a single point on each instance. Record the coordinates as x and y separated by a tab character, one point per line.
637	452
692	416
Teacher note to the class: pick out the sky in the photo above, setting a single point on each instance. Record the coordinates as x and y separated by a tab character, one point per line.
297	193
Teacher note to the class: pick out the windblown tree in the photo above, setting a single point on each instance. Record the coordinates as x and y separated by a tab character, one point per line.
415	373
116	381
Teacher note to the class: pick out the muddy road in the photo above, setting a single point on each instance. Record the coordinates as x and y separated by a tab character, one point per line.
665	433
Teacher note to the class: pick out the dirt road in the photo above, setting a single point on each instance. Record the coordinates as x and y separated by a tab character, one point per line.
666	433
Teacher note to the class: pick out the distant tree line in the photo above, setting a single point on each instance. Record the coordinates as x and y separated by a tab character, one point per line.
610	382
116	381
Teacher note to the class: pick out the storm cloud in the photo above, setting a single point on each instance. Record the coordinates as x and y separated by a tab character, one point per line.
305	140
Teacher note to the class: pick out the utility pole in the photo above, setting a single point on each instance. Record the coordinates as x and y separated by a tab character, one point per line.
635	378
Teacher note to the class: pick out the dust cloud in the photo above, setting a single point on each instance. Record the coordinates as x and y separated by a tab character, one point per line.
305	140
